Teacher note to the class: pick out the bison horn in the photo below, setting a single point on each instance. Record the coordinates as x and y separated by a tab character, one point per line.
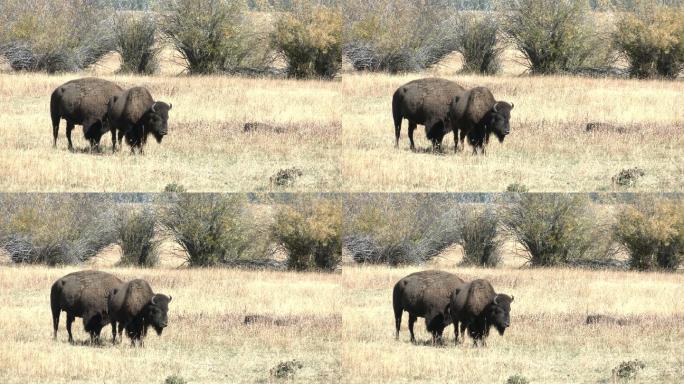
153	106
512	298
512	105
170	106
495	108
170	298
496	297
152	301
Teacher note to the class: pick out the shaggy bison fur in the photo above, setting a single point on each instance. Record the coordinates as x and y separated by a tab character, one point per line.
424	294
134	307
82	294
82	102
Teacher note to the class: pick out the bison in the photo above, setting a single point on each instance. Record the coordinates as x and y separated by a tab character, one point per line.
426	102
477	115
134	307
82	294
477	308
135	115
424	294
83	102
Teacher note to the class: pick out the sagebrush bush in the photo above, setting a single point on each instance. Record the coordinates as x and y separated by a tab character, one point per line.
310	39
399	229
217	36
136	236
136	43
557	35
555	229
397	35
652	233
652	40
480	238
54	35
55	229
215	229
310	230
477	42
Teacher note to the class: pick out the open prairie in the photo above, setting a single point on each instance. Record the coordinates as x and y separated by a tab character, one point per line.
548	148
205	150
206	340
547	342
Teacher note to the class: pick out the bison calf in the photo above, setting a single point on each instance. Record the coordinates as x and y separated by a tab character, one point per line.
82	294
477	308
424	294
135	115
135	308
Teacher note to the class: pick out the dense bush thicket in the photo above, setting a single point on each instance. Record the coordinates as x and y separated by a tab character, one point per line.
557	35
555	229
136	43
217	36
215	229
54	35
136	232
397	35
652	40
477	41
399	229
310	230
653	234
56	229
310	39
480	237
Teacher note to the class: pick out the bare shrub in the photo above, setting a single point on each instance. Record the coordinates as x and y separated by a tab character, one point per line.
310	229
652	40
557	35
136	231
397	35
480	237
136	43
310	38
653	234
477	41
215	229
54	35
217	36
55	229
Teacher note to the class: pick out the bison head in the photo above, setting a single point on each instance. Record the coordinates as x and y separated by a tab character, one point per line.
156	120
499	119
157	312
499	312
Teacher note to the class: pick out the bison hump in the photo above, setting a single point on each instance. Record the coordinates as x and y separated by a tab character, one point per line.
480	294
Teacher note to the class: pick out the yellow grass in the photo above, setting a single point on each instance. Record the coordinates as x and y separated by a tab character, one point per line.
206	341
547	150
547	342
206	149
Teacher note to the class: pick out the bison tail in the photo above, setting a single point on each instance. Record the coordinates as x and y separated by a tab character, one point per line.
55	307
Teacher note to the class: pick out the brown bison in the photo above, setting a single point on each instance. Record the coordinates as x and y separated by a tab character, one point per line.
477	308
424	294
426	102
83	102
82	294
135	115
477	115
135	308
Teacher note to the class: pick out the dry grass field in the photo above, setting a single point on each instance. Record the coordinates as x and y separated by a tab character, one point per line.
206	149
205	342
548	341
548	148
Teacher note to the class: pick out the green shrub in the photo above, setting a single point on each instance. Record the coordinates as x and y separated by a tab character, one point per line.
480	238
55	229
136	43
310	231
136	232
652	233
652	40
399	229
555	229
557	35
217	36
397	35
54	35
174	188
310	38
175	379
215	229
517	379
477	42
